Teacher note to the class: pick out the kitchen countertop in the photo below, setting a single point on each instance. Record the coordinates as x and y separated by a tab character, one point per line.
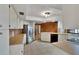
18	39
55	33
59	33
70	47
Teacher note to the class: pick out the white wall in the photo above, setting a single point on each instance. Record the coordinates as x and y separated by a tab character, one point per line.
20	23
61	30
77	15
70	16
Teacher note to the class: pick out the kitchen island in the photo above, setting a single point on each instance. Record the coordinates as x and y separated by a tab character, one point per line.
46	36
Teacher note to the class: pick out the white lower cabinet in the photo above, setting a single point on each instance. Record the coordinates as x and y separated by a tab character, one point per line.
4	42
45	36
17	49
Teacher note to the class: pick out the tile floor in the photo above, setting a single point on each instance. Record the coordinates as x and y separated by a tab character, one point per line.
41	48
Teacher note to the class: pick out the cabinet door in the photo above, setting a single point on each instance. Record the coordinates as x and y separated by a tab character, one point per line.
17	49
45	37
4	16
13	18
4	42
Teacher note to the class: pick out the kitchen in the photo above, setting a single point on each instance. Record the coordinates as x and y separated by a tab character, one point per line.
27	26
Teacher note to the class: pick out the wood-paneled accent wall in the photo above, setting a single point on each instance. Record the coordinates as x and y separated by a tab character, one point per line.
49	27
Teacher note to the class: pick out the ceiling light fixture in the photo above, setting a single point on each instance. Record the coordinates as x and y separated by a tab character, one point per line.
46	13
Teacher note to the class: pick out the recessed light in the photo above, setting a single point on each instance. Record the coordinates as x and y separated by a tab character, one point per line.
21	13
46	13
50	12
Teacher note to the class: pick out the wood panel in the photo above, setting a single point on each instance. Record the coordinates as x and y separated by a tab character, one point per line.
15	36
49	27
18	39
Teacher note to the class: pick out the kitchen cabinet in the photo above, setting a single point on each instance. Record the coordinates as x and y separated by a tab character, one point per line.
45	36
4	42
4	16
17	49
13	18
15	21
4	29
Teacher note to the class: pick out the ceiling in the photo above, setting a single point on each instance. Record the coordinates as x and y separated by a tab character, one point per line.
32	12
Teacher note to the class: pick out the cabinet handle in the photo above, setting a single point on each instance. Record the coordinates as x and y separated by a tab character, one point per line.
0	25
0	33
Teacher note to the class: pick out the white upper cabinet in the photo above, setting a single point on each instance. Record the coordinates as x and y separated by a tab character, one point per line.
15	21
13	18
4	16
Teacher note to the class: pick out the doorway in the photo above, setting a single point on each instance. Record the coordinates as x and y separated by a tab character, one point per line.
25	31
28	30
37	32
